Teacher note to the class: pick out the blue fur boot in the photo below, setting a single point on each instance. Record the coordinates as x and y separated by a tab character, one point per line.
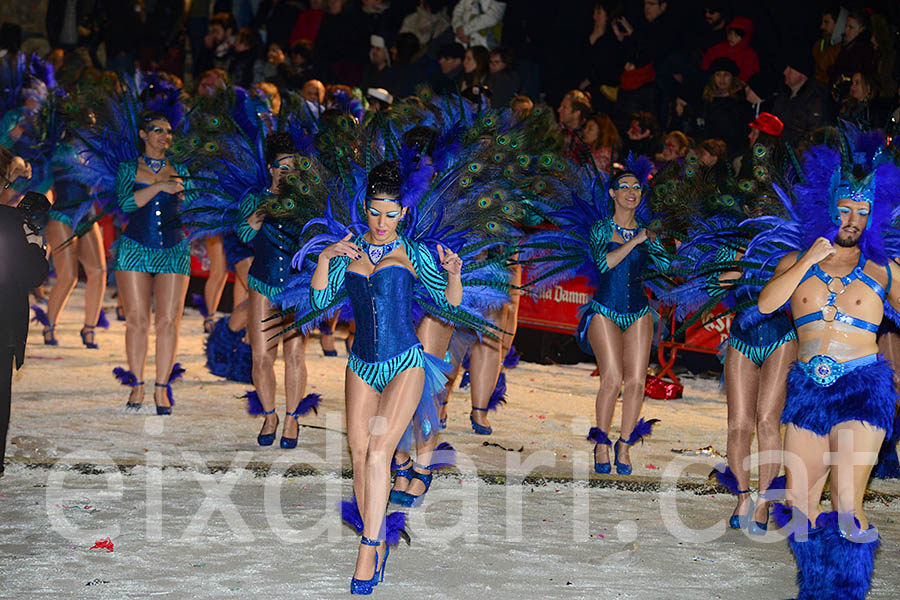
811	564
850	562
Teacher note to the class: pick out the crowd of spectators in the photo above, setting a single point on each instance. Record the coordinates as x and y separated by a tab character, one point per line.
651	76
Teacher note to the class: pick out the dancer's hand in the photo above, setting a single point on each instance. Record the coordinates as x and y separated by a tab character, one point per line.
342	248
172	186
255	220
19	168
451	262
820	250
641	236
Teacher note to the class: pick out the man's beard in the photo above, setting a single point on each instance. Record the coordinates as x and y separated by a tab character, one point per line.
846	242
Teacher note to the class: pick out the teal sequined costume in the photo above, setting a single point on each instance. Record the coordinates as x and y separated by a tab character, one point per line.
620	295
153	241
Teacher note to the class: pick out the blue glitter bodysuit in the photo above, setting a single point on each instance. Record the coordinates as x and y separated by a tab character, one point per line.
273	247
620	295
153	241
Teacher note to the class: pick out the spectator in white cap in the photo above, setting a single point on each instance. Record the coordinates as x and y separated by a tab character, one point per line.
379	62
380	99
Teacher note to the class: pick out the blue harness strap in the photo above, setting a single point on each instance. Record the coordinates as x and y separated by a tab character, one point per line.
833	313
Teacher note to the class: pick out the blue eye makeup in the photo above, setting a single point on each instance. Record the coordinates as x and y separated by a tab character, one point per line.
844	209
393	213
158	129
374	212
863	213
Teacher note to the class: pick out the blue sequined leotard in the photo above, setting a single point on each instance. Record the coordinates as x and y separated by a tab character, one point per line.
620	295
69	195
385	343
272	247
153	241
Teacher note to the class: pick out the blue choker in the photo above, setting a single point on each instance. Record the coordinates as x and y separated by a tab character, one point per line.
626	234
155	164
377	252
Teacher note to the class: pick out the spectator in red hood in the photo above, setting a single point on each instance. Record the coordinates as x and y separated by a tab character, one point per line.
737	48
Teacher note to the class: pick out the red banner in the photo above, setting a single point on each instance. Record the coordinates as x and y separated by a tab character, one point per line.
712	334
554	309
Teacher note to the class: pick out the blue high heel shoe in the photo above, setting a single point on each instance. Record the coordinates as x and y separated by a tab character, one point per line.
621	468
758	528
402	470
599	437
135	406
641	429
409	500
479	429
364	587
88	331
444	420
267	439
164	410
50	336
290	443
743	521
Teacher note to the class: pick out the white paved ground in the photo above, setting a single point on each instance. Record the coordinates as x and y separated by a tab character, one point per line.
194	509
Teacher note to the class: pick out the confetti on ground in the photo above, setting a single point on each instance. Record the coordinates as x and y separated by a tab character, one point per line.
103	545
705	451
702	559
652	466
96	582
88	508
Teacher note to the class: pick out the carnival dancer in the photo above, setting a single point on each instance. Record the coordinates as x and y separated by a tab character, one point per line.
605	235
760	348
840	394
387	369
72	246
274	241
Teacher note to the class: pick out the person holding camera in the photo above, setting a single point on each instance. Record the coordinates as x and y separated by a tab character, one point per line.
22	266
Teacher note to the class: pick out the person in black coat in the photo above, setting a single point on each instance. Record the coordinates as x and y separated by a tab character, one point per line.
23	266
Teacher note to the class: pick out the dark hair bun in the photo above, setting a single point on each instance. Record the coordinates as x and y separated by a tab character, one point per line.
384	180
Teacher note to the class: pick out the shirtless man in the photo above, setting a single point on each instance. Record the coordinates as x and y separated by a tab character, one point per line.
840	397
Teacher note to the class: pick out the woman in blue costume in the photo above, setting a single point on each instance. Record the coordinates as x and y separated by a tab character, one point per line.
71	198
760	348
387	370
617	327
274	242
153	256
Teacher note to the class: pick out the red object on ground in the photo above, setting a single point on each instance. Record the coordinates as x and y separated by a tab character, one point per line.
103	545
658	389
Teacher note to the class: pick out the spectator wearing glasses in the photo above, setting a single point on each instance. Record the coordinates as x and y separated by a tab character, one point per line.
503	79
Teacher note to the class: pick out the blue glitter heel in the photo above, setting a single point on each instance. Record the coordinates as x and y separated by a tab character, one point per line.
742	521
267	439
164	410
364	587
88	331
403	471
50	336
135	406
599	437
408	500
479	429
290	443
621	468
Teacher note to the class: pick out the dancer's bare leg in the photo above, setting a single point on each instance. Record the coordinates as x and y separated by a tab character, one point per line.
606	341
770	404
742	391
136	292
241	287
218	274
264	352
636	353
484	369
327	339
889	345
65	259
435	337
805	469
850	476
294	348
93	261
395	410
169	290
